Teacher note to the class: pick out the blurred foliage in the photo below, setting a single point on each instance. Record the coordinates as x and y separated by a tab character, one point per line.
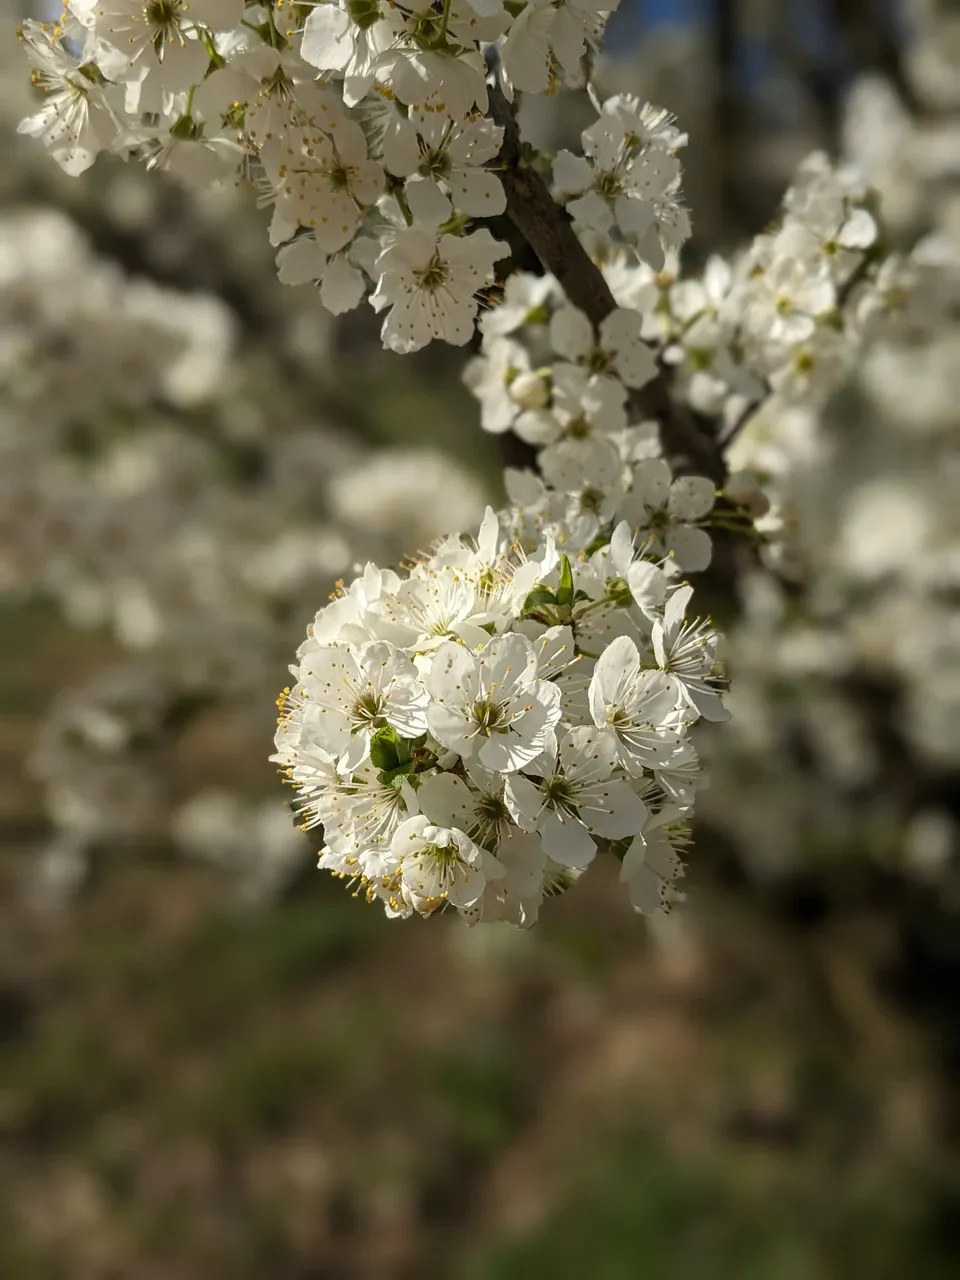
650	1213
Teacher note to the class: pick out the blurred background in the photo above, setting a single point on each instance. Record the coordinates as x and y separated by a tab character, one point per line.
214	1061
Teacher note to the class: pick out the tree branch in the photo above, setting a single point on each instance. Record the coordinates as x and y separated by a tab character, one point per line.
546	227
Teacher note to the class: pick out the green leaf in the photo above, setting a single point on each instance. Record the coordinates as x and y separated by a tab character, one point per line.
384	749
565	591
394	777
538	597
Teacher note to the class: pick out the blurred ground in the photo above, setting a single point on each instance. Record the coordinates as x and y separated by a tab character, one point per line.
313	1092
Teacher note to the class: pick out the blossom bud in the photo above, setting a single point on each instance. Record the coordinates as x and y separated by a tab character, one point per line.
743	489
530	391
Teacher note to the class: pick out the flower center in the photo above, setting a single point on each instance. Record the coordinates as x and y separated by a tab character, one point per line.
618	719
433	275
560	794
163	15
425	28
658	520
599	361
591	500
699	358
618	590
491	810
367	710
435	164
443	858
338	175
609	185
489	717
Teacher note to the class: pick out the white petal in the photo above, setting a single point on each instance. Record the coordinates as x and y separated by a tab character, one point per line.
571	333
342	286
625	816
523	800
478	192
427	202
401	152
566	840
327	38
648	586
691	497
859	231
620	335
446	800
691	547
301	262
652	482
571	174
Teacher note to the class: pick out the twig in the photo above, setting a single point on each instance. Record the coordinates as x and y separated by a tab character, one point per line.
733	429
546	227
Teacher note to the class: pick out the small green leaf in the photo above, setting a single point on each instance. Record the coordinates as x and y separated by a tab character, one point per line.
394	777
565	592
538	597
384	749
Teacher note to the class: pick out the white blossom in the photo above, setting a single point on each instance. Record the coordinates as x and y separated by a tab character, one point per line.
436	865
616	350
634	706
430	281
491	704
75	122
665	511
428	147
350	697
686	654
574	796
473	730
651	866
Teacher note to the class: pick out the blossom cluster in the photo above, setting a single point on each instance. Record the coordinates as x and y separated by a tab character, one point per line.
473	732
362	123
816	301
562	387
787	318
626	185
365	129
781	327
856	669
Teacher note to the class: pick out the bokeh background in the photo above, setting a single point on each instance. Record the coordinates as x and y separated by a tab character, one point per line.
213	1061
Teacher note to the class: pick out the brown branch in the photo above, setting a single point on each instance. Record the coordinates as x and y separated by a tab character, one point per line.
546	227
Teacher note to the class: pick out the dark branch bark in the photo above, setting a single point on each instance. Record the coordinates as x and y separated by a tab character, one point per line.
546	227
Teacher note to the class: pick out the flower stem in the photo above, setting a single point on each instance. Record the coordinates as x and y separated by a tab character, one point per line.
444	22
